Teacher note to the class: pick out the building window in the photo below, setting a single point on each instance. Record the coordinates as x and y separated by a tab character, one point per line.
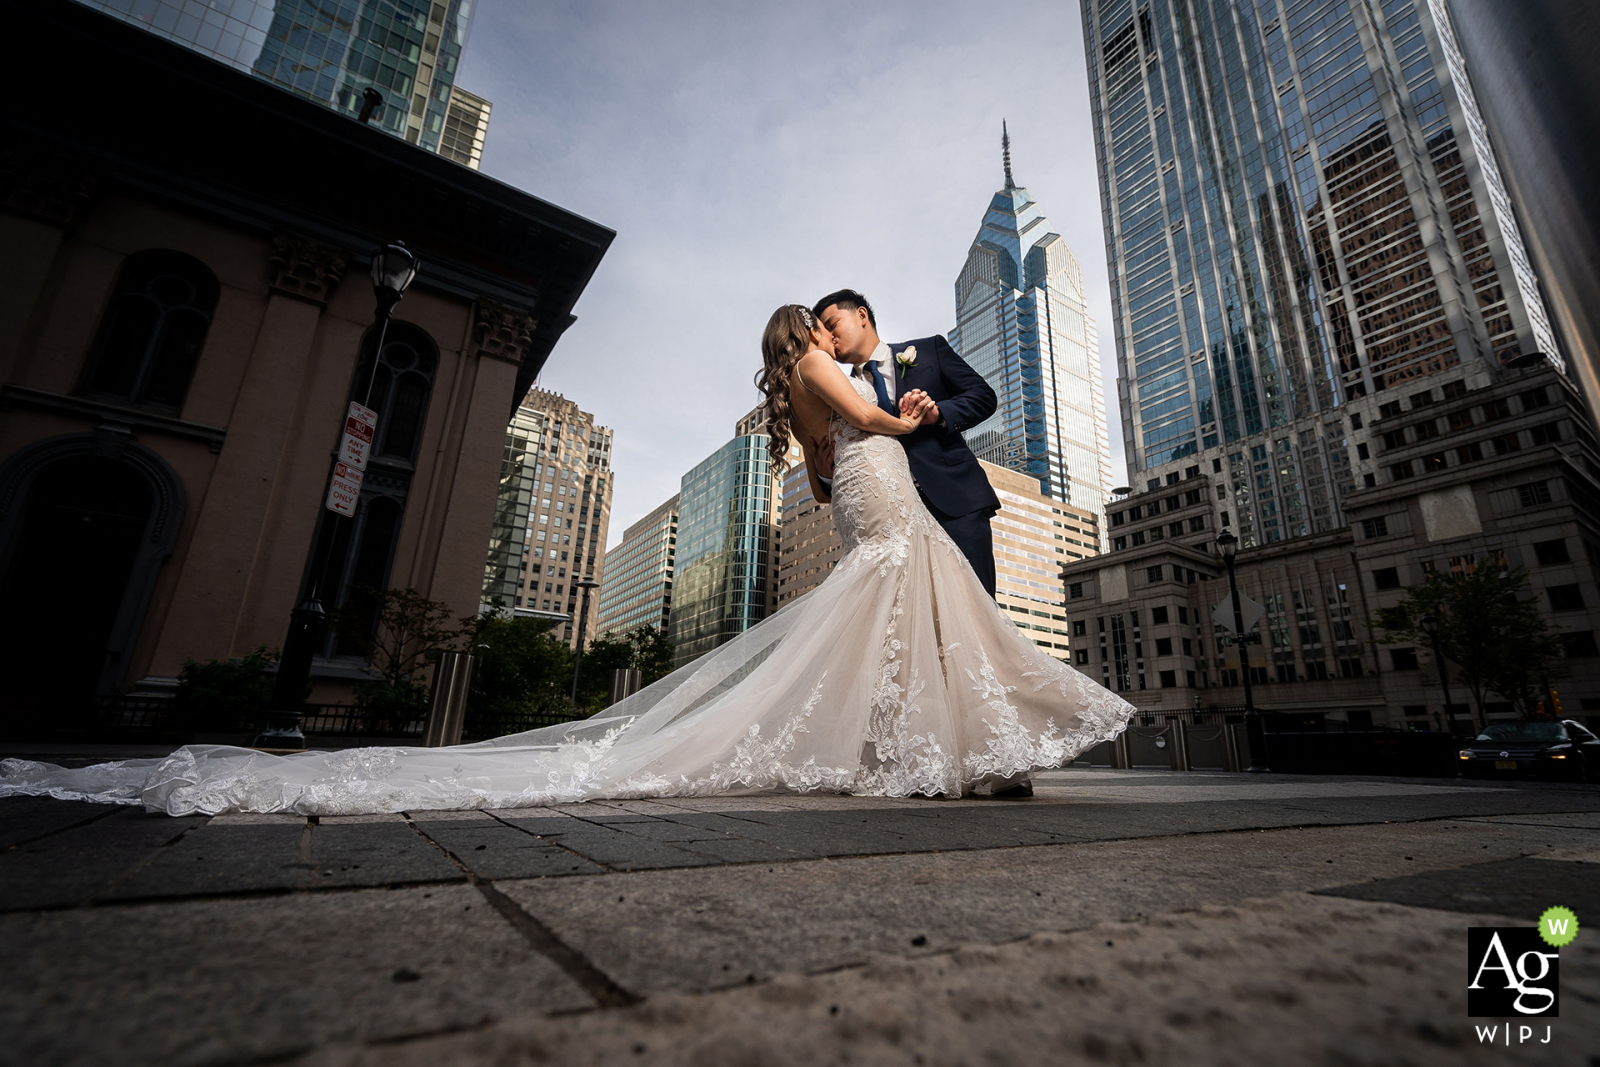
1405	659
1534	493
1163	646
153	330
1389	410
1316	670
1153	574
1080	627
1081	656
1075	590
1169	679
1550	553
1546	435
1362	452
1158	615
1386	578
1579	644
1565	597
1378	527
1400	471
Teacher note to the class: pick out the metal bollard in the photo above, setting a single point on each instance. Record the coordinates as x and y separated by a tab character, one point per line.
452	678
624	683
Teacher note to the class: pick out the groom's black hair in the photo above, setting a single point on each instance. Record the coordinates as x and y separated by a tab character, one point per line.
846	300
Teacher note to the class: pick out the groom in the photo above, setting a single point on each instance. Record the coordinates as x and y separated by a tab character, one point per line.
927	375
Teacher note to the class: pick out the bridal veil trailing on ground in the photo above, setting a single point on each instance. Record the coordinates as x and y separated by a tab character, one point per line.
897	676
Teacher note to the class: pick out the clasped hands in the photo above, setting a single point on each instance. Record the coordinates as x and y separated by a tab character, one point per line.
916	404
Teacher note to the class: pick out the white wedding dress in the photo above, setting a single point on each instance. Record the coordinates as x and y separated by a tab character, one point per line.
896	676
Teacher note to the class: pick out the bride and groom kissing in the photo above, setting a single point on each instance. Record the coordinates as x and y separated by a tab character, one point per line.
896	676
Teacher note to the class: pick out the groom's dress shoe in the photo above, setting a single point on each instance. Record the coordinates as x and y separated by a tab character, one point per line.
1020	791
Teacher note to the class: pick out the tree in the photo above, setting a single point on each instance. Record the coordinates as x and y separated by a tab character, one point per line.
1497	641
603	655
652	653
396	629
520	676
225	695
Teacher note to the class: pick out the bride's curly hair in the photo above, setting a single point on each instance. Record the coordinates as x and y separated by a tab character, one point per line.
787	338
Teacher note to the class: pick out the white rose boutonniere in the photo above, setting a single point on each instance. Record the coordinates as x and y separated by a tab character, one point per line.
907	358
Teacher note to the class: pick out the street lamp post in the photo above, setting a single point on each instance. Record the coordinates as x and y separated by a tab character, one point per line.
585	584
393	269
1431	626
1228	546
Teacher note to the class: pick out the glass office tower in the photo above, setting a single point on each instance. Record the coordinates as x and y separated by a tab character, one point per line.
719	588
229	31
1301	208
1022	322
332	51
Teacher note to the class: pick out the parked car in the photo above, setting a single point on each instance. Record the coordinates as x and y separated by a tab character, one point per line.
1543	749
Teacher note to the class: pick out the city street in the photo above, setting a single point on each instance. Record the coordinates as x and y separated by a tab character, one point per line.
1119	916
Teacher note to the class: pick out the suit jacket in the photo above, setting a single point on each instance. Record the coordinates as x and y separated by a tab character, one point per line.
944	467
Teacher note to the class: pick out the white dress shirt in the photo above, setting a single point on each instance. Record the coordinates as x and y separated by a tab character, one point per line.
885	362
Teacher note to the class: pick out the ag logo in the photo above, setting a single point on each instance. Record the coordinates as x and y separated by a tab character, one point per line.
1511	972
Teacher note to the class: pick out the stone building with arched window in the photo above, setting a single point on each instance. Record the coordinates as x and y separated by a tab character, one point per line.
184	319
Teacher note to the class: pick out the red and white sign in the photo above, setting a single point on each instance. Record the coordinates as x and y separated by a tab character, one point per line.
356	441
345	489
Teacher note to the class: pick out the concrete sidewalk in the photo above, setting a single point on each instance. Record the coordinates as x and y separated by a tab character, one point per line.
1267	918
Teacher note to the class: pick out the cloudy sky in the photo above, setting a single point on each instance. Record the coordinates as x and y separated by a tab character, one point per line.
751	154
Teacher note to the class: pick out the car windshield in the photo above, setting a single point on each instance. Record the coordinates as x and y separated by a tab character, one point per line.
1524	731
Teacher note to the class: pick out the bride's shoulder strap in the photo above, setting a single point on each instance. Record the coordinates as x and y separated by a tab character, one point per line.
800	377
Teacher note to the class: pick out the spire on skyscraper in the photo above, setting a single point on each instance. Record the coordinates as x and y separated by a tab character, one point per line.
1005	151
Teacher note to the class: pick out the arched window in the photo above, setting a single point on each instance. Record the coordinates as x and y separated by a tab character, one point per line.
153	330
360	554
399	388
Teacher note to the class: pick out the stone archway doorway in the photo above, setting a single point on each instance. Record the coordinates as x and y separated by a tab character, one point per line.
84	526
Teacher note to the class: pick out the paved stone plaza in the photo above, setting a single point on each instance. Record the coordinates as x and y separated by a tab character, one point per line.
1117	917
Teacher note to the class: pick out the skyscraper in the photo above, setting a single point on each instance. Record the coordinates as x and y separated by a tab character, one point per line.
506	567
1301	208
1022	322
810	544
721	584
332	51
636	588
1032	533
554	504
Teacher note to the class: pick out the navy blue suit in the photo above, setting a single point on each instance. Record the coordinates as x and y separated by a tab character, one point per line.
946	472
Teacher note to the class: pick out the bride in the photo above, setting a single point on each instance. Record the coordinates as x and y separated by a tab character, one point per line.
897	676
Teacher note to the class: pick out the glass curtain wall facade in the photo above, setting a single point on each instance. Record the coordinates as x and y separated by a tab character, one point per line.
510	538
1301	208
332	51
724	526
229	31
1022	322
636	589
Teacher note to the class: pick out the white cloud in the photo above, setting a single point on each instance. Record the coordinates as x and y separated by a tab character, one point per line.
752	154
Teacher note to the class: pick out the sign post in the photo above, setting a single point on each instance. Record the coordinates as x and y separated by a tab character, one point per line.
355	444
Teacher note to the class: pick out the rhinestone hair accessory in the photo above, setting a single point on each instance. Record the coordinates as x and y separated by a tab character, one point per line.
805	316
